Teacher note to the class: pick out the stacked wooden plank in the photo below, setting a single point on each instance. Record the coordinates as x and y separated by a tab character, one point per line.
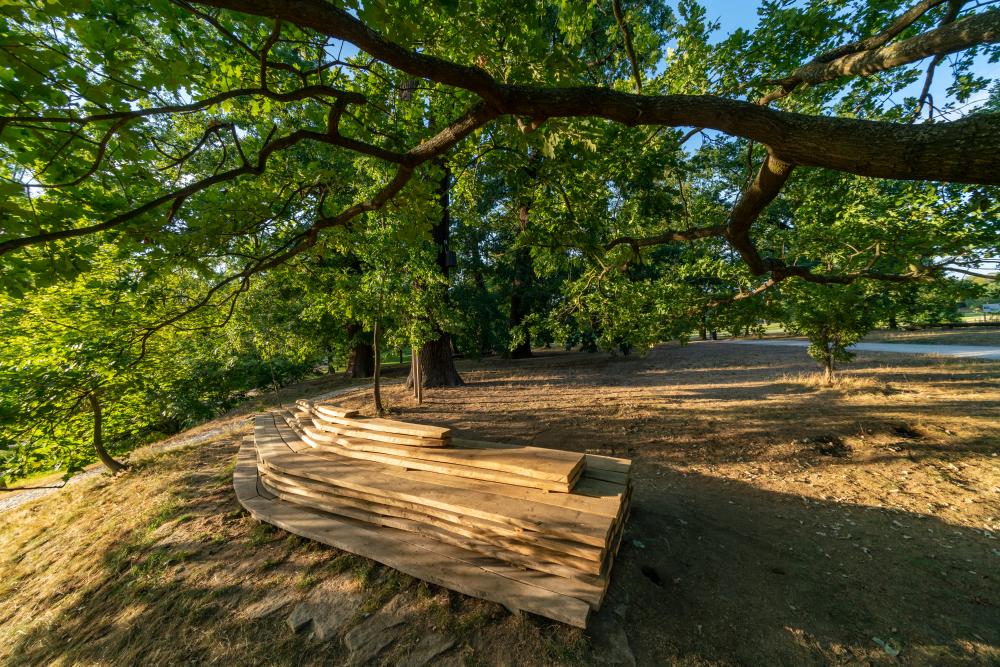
431	448
531	528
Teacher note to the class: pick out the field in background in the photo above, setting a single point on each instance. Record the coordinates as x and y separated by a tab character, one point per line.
775	522
983	335
961	336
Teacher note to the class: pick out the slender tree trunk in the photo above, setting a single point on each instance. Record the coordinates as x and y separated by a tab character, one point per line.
113	466
520	306
828	370
484	341
437	366
377	374
361	362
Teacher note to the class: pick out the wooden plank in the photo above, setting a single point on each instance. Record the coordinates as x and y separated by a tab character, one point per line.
598	462
389	438
430	433
572	581
451	567
245	473
555	459
581	557
526	571
262	489
591	486
332	410
357	449
547	464
398	483
608	476
343	447
599	501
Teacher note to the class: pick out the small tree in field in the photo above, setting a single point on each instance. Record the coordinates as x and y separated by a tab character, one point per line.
832	317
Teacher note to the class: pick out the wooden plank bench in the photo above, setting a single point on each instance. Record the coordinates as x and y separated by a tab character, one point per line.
525	548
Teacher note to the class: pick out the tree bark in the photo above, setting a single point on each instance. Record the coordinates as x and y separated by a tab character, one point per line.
113	466
437	367
361	362
828	370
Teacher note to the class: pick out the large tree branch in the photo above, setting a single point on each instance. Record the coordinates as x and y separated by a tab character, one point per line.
981	28
905	20
960	151
770	179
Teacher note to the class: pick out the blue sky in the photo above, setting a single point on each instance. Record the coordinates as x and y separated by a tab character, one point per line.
732	14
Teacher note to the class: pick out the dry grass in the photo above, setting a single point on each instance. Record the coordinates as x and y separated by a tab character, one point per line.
161	566
775	522
842	382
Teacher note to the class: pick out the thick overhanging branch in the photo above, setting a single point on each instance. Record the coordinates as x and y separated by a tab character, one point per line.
962	151
770	179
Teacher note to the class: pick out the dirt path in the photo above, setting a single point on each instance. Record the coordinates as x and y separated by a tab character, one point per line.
960	351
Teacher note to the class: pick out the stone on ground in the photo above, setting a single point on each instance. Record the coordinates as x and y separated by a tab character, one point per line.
328	609
429	647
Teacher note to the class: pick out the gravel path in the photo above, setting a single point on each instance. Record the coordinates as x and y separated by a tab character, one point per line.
962	351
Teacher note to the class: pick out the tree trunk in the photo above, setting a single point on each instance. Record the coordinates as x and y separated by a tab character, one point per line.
520	306
377	374
437	366
828	370
361	362
893	323
113	466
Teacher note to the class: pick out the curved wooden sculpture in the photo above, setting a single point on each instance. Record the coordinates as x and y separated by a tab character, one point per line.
533	529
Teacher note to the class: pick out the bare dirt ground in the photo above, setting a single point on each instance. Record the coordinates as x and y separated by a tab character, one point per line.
775	522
